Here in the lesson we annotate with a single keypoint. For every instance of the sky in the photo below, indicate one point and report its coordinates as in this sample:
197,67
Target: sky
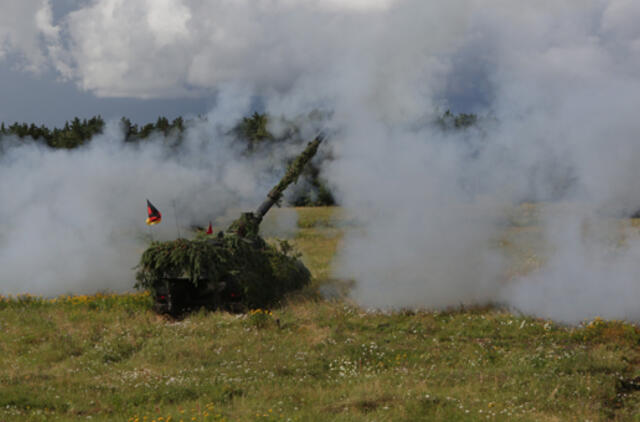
44,99
49,73
42,96
555,83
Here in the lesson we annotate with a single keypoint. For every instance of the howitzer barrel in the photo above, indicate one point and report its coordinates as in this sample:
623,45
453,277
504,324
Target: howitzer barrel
293,172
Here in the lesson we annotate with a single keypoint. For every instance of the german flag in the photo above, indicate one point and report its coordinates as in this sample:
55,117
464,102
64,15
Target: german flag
154,215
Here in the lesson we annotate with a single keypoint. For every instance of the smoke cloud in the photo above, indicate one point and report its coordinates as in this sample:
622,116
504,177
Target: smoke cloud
555,84
73,220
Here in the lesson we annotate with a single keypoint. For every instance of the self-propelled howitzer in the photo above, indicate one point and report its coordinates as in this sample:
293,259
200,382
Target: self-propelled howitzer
233,270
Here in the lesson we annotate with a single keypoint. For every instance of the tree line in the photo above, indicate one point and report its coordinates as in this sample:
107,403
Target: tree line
72,135
251,131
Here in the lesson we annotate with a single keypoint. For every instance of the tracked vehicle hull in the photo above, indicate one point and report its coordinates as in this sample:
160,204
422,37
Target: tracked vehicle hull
235,270
229,273
177,296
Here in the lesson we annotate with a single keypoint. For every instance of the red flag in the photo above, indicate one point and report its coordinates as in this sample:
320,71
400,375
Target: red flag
210,229
154,215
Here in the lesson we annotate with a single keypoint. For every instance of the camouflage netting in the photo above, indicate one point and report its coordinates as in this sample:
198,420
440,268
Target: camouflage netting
234,266
263,273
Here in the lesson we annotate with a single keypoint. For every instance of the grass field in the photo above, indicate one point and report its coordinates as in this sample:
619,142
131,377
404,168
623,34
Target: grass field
108,357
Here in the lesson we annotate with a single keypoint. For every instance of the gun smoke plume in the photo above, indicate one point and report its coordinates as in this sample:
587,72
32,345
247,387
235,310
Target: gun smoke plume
73,220
554,82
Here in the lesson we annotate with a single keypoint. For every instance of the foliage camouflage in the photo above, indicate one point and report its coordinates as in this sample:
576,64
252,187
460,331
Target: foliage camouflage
262,273
233,268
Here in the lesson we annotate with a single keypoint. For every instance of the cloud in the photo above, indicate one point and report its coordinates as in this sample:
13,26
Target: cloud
149,49
26,29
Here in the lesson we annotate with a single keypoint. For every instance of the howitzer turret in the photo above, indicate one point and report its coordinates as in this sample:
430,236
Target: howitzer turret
235,270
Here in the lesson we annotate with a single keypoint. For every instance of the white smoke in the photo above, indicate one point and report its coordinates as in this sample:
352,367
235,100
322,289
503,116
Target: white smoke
555,83
588,274
73,220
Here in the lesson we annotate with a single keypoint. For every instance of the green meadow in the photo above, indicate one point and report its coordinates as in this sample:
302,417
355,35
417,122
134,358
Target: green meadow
108,357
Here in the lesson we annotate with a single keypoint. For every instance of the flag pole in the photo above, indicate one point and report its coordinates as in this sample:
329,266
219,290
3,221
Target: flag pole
176,215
